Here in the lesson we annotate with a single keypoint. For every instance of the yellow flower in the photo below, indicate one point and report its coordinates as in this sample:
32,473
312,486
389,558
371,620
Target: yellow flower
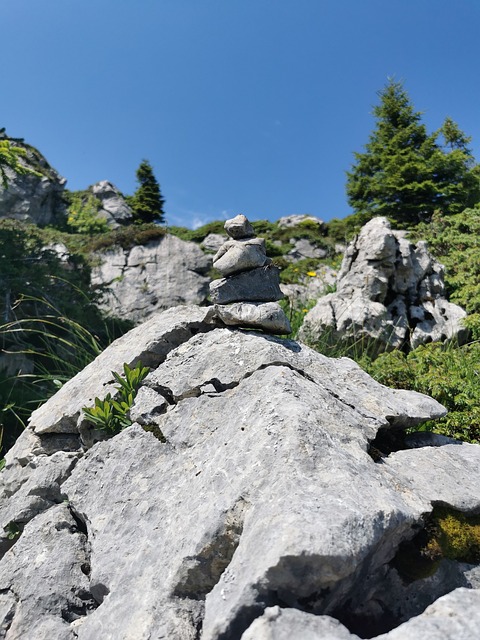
312,274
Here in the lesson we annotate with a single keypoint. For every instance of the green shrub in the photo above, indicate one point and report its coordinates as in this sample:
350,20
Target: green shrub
83,214
448,373
126,237
197,235
111,414
455,241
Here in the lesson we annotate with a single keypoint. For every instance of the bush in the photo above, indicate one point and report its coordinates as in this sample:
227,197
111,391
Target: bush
126,237
448,373
83,214
455,241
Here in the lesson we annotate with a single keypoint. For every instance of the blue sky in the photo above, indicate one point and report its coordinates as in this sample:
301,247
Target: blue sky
241,106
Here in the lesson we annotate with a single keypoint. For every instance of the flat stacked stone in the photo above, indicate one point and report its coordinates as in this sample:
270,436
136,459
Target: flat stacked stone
247,293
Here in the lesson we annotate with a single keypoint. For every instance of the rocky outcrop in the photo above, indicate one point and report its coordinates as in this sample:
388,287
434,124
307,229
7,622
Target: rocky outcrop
36,198
300,218
243,503
138,282
250,282
115,210
213,242
303,248
390,294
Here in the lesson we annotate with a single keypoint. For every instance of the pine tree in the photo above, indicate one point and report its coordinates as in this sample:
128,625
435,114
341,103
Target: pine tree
147,202
405,173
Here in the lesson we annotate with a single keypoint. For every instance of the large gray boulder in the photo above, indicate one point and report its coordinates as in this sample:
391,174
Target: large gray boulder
256,507
390,294
140,281
36,198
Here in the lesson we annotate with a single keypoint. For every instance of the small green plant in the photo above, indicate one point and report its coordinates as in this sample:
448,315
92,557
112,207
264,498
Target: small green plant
12,530
111,414
83,214
449,534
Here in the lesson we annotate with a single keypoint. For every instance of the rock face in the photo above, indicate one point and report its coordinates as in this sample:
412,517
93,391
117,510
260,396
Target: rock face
249,279
257,511
163,273
390,293
303,248
33,198
299,218
115,209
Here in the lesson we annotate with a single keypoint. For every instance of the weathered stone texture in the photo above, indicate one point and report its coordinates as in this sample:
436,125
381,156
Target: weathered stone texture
33,198
258,514
141,281
390,293
115,210
256,285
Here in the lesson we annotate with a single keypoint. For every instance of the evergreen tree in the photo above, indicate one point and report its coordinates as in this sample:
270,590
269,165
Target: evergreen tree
405,173
147,202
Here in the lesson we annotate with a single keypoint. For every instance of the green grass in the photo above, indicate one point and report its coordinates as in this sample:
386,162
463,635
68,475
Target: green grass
58,348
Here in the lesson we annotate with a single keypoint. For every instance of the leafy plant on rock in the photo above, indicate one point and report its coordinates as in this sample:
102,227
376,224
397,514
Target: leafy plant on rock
112,414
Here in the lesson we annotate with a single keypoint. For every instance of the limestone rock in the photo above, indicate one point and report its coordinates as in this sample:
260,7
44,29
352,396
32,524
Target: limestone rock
115,209
213,242
455,616
256,285
296,219
148,344
145,279
33,198
261,514
268,316
390,293
287,624
304,248
235,256
239,227
249,279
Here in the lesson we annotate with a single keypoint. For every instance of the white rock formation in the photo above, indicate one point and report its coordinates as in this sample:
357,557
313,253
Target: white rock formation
115,210
33,198
389,293
141,281
259,513
295,219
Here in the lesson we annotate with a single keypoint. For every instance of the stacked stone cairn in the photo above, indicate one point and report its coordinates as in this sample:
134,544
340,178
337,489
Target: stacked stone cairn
247,294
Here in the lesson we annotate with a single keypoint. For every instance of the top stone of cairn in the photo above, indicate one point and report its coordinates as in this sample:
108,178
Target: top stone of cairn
239,228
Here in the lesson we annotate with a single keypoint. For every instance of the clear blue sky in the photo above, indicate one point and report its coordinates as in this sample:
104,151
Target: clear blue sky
251,106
